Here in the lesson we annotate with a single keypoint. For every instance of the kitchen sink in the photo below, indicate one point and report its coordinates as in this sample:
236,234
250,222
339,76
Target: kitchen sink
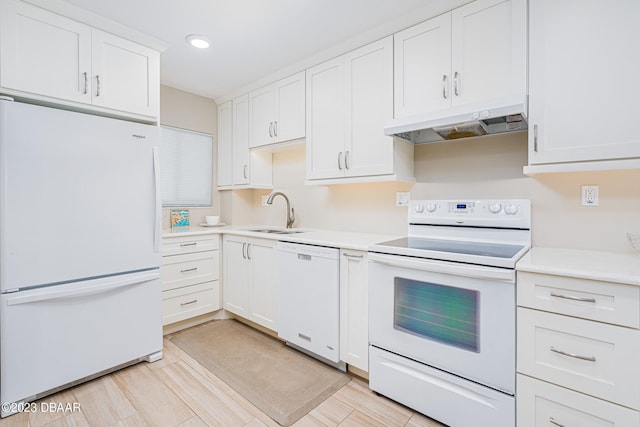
276,230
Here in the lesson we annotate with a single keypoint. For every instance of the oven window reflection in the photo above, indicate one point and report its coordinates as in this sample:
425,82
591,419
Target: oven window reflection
442,313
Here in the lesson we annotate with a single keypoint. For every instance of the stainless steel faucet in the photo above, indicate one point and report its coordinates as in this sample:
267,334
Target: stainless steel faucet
291,217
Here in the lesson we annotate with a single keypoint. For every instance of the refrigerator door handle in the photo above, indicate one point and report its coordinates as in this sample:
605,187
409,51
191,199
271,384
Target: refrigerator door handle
78,292
156,200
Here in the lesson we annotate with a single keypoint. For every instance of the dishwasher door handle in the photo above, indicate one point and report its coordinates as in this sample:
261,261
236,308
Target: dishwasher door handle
304,257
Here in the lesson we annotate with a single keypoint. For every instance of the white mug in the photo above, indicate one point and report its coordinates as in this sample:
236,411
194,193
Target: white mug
212,219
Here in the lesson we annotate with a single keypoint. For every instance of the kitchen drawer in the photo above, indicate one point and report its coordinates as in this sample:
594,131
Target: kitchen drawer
589,299
184,270
188,244
184,303
614,373
541,404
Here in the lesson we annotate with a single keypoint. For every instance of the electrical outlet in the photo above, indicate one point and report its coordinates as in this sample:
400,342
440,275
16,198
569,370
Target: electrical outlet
590,195
402,198
264,200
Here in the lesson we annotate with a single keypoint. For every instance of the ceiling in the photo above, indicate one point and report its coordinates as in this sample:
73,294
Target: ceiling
252,39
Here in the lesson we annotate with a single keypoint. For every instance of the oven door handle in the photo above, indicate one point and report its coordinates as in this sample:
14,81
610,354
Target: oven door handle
445,267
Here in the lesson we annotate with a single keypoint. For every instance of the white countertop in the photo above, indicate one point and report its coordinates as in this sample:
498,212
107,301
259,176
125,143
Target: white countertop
331,238
606,266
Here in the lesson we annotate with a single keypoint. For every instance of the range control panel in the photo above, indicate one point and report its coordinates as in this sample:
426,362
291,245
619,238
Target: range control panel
508,213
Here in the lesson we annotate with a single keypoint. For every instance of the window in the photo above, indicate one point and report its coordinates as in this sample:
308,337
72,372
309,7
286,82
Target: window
186,167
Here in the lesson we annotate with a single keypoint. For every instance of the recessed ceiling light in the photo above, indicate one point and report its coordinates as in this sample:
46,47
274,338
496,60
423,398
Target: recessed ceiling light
198,40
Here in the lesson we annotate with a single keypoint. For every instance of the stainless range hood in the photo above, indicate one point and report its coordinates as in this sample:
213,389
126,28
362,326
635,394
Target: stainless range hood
496,116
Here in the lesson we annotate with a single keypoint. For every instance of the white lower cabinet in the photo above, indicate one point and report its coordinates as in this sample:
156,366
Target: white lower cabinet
250,283
354,310
190,277
577,355
540,403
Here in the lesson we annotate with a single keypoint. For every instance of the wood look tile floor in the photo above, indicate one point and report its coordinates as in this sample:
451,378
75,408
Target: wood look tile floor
178,391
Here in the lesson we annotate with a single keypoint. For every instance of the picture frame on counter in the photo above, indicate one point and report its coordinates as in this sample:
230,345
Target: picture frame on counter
179,218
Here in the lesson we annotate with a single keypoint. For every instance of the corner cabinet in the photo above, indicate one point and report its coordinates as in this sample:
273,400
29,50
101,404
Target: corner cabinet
349,100
583,96
190,276
578,344
276,112
51,58
249,275
475,53
354,309
238,165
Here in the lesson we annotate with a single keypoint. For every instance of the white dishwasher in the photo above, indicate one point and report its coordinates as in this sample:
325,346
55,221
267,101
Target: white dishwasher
309,299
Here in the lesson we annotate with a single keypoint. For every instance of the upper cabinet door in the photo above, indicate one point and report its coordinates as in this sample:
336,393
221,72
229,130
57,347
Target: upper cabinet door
422,67
325,120
489,50
43,53
261,117
241,167
289,119
583,84
125,75
369,106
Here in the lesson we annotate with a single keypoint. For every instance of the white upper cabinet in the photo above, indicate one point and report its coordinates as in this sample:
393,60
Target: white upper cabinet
473,54
349,100
583,85
49,57
238,165
126,75
277,112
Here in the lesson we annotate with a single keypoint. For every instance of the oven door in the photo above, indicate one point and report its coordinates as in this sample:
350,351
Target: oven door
456,317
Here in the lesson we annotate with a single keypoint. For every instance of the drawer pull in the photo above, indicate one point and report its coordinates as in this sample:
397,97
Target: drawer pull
304,337
352,255
186,270
575,356
555,423
572,298
182,245
182,304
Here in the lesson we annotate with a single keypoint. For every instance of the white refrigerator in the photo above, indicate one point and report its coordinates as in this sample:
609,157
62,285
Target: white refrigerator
80,219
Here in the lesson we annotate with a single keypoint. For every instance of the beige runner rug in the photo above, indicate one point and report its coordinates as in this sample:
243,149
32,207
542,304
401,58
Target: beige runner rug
282,382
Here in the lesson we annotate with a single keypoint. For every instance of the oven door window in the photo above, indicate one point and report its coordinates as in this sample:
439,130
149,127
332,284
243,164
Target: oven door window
441,313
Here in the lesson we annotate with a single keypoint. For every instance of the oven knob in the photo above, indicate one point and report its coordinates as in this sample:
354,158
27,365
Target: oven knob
495,208
511,209
419,208
431,207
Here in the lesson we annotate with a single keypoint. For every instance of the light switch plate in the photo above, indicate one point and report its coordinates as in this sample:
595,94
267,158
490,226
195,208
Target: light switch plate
402,198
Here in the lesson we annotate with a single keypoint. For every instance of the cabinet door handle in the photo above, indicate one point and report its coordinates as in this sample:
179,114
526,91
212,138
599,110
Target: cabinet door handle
275,128
535,138
97,85
572,298
555,423
444,86
244,250
182,304
86,83
352,256
182,245
575,356
271,130
456,78
340,160
346,160
244,171
187,270
248,253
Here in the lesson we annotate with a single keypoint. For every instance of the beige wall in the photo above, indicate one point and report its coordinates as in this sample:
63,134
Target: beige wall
489,167
192,112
